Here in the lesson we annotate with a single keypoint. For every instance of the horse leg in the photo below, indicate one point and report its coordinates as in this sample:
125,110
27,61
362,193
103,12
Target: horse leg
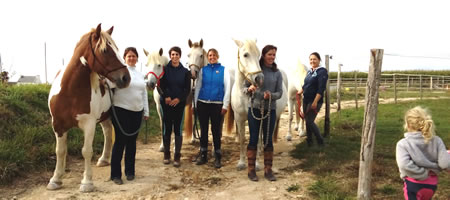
240,130
290,111
160,114
88,127
61,152
107,127
301,124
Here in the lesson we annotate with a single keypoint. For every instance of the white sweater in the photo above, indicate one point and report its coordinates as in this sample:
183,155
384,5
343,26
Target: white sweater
415,158
134,97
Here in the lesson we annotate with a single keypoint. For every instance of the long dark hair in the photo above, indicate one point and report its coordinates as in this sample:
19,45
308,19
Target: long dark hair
266,49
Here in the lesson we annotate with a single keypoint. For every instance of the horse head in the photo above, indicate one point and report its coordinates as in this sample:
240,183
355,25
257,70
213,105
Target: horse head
103,57
197,57
155,64
248,61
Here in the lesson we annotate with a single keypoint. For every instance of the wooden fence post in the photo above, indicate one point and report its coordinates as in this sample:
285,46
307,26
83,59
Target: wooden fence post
369,124
338,88
327,100
395,89
421,92
356,90
431,83
407,84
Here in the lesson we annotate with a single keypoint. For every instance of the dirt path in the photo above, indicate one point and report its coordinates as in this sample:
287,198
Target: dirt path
154,180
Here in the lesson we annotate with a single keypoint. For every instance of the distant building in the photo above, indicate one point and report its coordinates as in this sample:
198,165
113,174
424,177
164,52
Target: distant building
29,80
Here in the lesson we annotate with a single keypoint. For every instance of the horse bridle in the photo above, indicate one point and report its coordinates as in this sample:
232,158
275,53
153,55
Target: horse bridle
246,75
156,76
103,66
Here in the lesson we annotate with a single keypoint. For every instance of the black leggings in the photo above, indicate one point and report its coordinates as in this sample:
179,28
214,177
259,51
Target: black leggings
207,111
130,122
172,120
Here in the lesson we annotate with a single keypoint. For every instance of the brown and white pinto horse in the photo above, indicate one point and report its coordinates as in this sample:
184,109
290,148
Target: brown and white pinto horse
78,98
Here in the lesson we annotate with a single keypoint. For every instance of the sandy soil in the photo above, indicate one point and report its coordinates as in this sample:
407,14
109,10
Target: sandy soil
154,180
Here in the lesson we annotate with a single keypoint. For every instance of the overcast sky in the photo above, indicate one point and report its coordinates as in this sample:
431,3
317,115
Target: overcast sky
345,29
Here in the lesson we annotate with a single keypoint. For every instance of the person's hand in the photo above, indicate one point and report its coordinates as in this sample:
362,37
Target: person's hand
174,102
167,100
314,106
146,118
251,89
224,111
267,94
300,92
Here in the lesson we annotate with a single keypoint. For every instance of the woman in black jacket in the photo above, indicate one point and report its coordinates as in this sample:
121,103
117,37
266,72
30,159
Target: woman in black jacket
175,87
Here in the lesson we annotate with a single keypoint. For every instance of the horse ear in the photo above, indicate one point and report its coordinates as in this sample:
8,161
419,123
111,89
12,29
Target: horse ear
145,52
238,43
160,52
201,43
190,43
98,30
110,30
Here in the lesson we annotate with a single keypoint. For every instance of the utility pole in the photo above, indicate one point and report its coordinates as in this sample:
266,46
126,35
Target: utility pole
45,61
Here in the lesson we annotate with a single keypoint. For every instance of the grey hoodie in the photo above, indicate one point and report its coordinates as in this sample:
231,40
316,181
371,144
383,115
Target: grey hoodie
415,158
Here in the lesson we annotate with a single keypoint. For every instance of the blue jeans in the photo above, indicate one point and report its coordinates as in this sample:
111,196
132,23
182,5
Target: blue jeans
253,125
311,127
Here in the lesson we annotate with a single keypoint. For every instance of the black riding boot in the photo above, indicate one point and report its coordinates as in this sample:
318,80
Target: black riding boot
218,156
177,155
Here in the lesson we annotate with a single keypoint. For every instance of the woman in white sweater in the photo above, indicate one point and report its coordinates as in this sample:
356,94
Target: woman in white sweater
421,155
130,106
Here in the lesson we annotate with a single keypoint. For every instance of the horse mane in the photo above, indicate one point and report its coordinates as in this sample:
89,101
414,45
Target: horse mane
105,39
155,56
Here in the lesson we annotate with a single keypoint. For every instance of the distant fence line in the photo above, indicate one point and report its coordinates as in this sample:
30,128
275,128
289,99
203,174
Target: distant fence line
400,81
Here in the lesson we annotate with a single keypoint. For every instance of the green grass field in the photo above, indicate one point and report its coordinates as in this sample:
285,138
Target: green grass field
336,166
27,141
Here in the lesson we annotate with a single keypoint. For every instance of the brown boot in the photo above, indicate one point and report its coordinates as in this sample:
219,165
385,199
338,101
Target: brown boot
268,158
251,155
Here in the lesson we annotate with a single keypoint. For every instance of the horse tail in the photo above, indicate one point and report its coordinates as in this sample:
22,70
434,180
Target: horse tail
230,120
188,121
275,132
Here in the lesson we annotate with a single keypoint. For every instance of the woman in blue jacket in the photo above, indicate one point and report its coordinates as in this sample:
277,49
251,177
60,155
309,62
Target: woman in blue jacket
212,97
313,88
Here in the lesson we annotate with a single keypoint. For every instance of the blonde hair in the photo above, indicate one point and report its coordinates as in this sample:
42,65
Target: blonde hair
419,119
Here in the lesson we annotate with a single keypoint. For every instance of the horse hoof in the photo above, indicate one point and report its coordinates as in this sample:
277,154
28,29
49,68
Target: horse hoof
288,138
54,185
161,149
102,163
87,187
302,134
241,166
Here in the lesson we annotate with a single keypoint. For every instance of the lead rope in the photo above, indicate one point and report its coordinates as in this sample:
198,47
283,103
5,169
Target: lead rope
195,127
115,116
262,118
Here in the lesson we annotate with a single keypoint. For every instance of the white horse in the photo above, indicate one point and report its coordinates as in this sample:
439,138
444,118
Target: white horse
155,65
296,77
249,68
197,58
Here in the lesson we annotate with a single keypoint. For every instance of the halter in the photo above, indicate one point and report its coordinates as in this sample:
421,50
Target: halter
246,74
95,58
156,76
